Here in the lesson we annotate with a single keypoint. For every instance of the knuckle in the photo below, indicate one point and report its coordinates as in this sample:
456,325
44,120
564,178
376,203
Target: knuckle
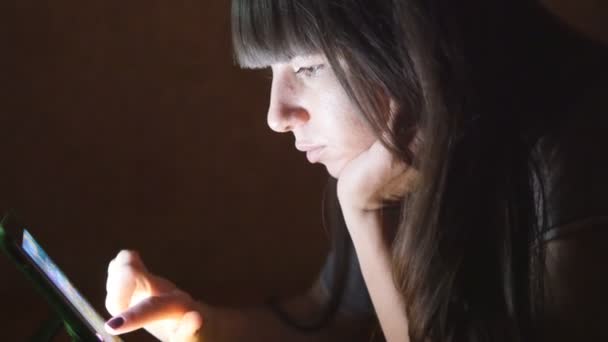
154,302
127,256
173,302
120,277
127,272
181,297
121,280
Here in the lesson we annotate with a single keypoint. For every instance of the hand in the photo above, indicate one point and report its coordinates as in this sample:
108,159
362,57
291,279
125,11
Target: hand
372,179
139,299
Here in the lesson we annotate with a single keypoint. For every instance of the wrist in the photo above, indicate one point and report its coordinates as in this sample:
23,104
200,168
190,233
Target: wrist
362,222
358,213
372,225
211,320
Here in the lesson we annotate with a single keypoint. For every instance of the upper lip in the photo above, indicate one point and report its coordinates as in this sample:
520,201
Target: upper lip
305,147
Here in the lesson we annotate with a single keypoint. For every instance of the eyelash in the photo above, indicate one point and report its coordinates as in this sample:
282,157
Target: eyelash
309,71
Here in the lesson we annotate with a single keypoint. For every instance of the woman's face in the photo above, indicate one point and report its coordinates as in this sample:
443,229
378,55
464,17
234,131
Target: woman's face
307,100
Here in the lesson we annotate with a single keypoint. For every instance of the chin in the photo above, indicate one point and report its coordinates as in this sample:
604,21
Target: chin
334,170
332,174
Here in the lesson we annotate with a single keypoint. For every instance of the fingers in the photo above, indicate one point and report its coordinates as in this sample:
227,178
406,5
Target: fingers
129,282
124,276
137,298
132,258
121,287
174,306
394,177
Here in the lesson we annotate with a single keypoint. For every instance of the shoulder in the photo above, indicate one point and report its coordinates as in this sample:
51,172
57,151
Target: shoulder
573,160
574,169
576,282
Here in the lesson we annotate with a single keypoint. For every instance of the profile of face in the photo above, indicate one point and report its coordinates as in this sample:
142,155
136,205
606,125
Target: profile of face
307,100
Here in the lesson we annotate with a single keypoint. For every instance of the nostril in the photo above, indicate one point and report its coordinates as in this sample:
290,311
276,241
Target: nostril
283,117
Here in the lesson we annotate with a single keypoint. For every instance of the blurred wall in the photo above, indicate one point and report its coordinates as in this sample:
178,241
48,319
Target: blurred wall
127,125
587,16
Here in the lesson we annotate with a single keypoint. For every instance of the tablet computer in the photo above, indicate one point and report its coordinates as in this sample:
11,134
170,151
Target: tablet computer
80,318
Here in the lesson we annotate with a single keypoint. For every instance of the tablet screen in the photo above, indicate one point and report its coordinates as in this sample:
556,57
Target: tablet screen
42,260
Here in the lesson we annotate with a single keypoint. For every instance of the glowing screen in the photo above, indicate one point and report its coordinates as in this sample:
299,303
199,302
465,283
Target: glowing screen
42,260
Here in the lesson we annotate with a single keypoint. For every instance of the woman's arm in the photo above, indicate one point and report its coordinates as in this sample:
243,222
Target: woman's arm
375,259
364,187
139,299
576,284
259,323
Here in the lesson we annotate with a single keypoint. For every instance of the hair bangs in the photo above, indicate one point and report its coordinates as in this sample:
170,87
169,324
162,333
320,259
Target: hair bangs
265,32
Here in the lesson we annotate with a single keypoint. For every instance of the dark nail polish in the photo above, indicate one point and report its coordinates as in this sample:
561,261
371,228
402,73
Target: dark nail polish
116,322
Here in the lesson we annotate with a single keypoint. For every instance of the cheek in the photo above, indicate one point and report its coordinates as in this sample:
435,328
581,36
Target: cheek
351,137
353,141
343,127
345,122
357,135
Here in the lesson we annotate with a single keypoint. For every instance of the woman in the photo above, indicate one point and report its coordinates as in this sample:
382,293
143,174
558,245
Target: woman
448,126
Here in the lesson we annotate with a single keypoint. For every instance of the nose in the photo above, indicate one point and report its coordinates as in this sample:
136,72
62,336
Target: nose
285,112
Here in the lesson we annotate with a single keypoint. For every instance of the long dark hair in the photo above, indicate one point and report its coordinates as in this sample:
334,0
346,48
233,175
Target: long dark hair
474,80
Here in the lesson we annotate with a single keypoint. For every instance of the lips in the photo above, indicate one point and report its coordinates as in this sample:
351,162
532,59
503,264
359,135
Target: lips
313,151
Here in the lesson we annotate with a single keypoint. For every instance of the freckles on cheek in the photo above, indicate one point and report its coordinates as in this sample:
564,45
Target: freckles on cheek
361,138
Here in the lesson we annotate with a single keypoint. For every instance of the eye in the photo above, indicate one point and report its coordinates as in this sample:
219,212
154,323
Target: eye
309,71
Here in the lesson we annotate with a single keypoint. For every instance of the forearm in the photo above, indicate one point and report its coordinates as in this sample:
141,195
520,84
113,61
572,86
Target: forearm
250,324
259,323
374,257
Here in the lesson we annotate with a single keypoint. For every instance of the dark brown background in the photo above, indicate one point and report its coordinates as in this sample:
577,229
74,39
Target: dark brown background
126,125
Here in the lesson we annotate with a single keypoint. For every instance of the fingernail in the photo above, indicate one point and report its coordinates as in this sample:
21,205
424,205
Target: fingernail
116,322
